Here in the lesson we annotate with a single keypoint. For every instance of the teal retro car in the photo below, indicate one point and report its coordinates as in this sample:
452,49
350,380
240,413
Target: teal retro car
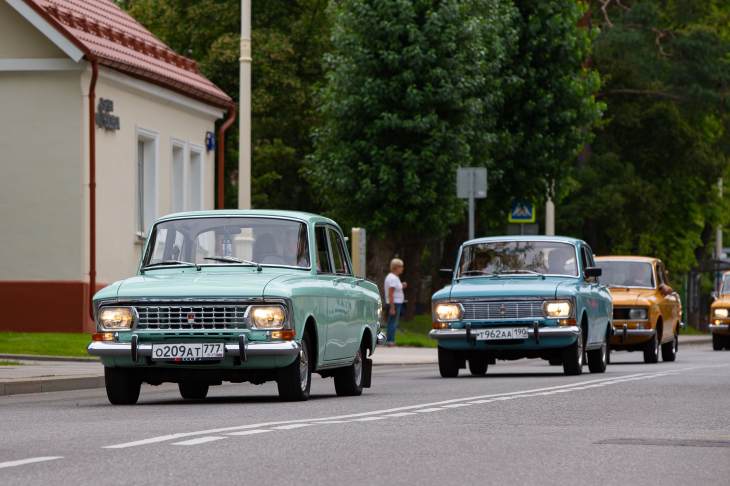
523,297
238,296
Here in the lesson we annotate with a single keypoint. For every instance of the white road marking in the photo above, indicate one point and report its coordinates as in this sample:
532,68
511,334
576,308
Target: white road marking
250,432
199,440
428,410
399,414
333,422
478,399
31,460
456,405
291,426
368,419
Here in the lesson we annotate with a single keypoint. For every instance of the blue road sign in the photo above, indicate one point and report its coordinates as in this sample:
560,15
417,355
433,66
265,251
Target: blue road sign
522,212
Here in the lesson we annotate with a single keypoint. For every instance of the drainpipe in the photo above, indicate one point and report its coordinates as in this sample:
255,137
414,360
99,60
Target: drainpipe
220,139
92,186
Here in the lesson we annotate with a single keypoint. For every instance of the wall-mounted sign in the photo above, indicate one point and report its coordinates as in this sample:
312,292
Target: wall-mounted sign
104,117
209,141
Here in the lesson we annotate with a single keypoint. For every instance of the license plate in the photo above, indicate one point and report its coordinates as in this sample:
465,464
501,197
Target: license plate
188,352
502,333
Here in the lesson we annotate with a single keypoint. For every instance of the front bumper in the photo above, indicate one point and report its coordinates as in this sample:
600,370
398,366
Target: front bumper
243,349
623,334
720,328
466,334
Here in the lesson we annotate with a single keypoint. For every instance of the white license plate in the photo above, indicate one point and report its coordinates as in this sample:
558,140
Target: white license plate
188,352
502,333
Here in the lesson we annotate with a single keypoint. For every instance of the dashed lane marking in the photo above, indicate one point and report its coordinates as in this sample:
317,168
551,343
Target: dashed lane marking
199,440
250,432
31,460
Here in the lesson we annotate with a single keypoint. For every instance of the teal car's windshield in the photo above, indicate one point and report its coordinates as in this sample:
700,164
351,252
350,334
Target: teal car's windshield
228,241
518,257
627,274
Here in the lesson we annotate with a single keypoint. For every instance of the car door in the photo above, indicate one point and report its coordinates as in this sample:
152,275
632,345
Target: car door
326,319
595,301
343,337
668,304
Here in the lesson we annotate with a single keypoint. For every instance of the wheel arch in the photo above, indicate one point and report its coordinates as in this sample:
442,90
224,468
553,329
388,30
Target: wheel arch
310,329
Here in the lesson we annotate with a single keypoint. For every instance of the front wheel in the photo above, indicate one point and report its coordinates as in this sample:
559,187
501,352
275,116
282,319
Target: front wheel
122,386
191,390
295,380
669,350
718,342
573,357
651,350
598,359
348,381
448,363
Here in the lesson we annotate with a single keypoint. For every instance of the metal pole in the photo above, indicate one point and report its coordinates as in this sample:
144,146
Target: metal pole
549,217
471,216
718,235
244,151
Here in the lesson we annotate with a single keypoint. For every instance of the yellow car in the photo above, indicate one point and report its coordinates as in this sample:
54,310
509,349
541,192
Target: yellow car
720,316
646,311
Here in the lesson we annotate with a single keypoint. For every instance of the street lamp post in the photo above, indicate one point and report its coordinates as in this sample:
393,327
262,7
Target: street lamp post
244,150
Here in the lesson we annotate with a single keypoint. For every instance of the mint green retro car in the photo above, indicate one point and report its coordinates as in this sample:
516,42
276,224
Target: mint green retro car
238,296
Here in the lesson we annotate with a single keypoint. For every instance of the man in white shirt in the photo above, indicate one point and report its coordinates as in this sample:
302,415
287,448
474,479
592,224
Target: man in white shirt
394,297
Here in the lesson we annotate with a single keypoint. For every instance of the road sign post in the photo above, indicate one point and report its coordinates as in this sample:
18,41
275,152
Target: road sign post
471,184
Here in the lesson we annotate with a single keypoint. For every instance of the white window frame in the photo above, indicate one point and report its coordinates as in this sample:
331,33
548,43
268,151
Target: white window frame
176,143
199,150
148,136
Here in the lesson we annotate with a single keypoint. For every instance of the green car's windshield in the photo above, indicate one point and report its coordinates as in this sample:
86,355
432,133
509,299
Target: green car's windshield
518,257
229,241
626,274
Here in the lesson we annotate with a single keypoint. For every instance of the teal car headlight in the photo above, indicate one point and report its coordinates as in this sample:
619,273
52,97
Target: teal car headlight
638,313
267,316
116,318
558,309
447,312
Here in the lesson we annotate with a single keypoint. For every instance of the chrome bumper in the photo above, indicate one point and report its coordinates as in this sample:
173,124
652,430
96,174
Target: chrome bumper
624,332
719,327
547,332
244,349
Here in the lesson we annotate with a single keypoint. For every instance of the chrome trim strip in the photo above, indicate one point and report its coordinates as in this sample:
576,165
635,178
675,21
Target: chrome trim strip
546,331
253,348
618,332
719,327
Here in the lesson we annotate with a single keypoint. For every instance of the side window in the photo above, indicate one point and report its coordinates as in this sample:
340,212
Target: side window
168,245
338,252
323,254
583,258
661,277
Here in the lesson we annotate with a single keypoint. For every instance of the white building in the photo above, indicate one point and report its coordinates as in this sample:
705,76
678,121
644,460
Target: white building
91,101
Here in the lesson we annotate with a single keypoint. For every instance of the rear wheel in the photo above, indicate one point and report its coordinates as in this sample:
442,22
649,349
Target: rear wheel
478,365
718,342
295,380
191,390
348,381
448,363
573,357
651,350
122,386
669,350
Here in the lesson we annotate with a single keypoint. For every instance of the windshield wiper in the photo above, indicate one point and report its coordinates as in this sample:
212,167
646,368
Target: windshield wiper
170,263
230,259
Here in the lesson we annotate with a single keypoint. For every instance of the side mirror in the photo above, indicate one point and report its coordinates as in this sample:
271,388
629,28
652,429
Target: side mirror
593,272
713,295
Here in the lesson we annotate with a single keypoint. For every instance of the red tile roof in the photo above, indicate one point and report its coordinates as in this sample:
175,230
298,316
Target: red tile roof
110,35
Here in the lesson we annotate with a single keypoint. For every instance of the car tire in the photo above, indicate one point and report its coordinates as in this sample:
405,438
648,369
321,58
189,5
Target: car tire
295,381
573,357
670,349
478,365
448,363
598,359
651,350
192,390
718,342
122,386
348,381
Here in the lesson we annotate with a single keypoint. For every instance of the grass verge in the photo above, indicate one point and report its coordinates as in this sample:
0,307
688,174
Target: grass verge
10,363
44,343
415,332
691,331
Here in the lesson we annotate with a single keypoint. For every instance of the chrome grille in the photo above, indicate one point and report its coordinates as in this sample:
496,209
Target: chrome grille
492,311
191,316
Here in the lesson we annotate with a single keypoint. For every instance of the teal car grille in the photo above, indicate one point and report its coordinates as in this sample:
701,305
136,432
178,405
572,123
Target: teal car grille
191,316
494,311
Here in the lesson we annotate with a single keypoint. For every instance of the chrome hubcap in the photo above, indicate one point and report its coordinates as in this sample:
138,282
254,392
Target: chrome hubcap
580,350
603,352
303,368
357,366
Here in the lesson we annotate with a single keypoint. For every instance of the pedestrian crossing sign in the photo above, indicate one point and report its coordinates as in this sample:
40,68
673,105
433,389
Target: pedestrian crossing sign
522,212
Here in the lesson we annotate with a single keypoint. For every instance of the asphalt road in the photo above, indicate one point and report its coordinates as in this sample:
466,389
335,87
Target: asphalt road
525,423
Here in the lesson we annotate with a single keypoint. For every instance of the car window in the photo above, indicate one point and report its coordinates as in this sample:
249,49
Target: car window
323,253
168,245
660,276
516,257
338,252
583,258
618,273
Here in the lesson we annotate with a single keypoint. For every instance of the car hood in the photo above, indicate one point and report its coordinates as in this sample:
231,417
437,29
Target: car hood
623,296
190,283
549,287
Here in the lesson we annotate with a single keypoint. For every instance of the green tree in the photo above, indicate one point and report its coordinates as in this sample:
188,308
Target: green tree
409,92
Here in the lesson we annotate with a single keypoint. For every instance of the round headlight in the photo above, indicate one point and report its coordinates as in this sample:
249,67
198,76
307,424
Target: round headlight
639,313
448,312
267,317
721,313
116,318
557,308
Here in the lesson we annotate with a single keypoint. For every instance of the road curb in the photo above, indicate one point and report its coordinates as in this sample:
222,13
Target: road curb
50,385
41,357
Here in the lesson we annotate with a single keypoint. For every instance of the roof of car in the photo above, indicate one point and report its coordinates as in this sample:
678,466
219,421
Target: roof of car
626,258
559,239
217,213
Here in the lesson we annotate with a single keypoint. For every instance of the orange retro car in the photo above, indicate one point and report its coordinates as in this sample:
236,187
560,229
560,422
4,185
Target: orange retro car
646,311
720,316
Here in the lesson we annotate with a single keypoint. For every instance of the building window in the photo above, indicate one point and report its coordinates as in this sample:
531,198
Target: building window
178,177
146,180
195,179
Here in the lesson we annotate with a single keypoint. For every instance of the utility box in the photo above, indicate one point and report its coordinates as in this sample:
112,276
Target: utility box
358,247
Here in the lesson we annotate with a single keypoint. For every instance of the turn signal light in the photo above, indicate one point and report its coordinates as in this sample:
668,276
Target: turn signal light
102,336
440,325
567,322
284,335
